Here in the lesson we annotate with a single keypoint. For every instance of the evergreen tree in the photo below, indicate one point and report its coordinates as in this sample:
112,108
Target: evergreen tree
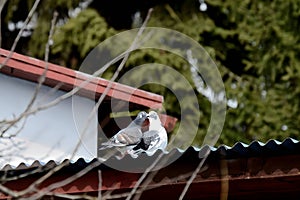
254,43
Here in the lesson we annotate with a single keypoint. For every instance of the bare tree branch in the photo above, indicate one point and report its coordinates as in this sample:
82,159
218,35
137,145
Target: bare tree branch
141,179
41,80
189,182
70,93
73,196
132,47
115,75
148,180
29,16
8,191
2,4
99,184
29,110
48,189
142,188
34,186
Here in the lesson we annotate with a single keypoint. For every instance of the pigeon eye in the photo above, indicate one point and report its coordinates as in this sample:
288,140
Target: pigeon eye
141,115
154,116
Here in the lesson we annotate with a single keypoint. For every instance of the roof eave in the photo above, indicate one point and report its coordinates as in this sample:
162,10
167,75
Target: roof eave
31,69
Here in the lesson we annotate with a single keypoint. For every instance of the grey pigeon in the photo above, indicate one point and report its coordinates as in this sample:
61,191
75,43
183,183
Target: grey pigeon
153,139
129,136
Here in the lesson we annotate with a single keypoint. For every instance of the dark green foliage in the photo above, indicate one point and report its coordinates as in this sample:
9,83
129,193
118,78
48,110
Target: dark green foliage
81,34
255,44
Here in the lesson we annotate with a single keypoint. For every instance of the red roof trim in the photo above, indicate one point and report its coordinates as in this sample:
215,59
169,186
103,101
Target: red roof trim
244,177
29,68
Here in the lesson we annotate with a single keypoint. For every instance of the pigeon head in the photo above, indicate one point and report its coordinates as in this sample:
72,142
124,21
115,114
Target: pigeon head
153,115
154,119
140,118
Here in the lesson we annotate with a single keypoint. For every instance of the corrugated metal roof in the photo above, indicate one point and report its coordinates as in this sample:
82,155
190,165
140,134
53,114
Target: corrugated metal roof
245,171
240,150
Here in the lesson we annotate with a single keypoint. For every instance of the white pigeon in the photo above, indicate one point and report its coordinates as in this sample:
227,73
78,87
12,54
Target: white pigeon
153,139
129,136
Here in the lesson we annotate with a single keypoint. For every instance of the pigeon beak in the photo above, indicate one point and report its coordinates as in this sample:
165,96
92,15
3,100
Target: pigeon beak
145,125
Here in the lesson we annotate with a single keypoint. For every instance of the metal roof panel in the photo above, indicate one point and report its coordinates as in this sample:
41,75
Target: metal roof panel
240,150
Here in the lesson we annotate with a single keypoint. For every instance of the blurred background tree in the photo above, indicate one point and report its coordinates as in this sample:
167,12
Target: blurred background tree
255,45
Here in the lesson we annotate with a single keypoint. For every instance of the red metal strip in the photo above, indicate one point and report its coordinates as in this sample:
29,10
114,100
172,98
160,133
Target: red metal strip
78,75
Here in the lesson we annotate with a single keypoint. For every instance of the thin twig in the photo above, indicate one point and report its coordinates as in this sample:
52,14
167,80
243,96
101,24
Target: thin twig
64,182
23,175
8,191
141,179
150,178
152,175
41,80
29,16
2,4
115,75
189,182
64,96
73,91
73,196
99,184
33,186
142,188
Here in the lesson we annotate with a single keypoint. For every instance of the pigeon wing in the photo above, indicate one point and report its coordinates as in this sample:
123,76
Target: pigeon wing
125,137
148,141
151,138
129,136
